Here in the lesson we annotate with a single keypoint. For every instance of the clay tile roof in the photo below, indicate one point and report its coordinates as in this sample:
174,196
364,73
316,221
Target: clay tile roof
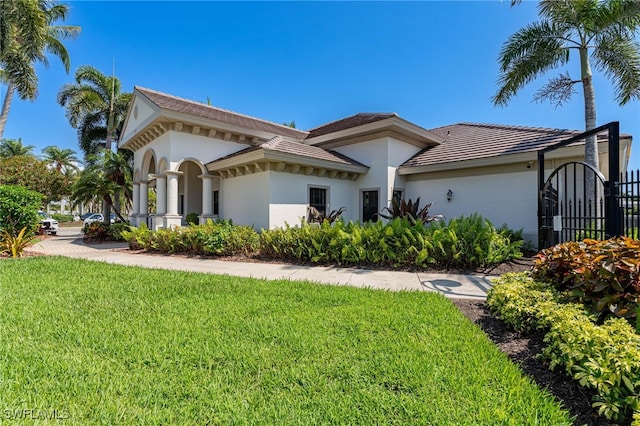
185,106
471,141
278,144
349,122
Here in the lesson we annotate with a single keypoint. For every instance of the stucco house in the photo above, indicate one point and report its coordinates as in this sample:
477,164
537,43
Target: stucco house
221,164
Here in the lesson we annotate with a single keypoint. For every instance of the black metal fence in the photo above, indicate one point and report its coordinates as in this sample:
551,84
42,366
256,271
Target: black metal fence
628,197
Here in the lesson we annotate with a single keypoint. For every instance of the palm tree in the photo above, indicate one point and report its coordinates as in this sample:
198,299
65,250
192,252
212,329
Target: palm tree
61,159
600,32
13,148
27,33
109,177
96,107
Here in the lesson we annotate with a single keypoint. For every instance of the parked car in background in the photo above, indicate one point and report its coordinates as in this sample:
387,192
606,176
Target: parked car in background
48,225
97,217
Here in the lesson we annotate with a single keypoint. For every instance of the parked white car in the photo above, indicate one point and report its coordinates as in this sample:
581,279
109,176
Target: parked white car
97,217
48,225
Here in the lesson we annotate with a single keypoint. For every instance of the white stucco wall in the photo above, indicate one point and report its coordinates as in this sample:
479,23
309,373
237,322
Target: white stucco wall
245,199
383,156
289,197
509,198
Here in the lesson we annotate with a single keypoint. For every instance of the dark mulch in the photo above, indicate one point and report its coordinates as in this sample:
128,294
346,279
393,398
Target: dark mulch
523,350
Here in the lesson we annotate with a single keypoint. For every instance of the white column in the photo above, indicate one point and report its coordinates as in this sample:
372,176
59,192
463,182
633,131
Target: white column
207,197
133,217
172,218
161,194
144,202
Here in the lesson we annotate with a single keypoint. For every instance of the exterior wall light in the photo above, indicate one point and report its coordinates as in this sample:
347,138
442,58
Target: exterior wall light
449,195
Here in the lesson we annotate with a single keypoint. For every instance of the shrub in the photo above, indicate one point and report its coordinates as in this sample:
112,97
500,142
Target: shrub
408,210
465,242
105,232
211,238
603,357
603,275
192,219
19,209
62,217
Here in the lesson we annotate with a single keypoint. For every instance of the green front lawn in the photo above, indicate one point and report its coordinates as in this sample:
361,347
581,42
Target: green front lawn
104,344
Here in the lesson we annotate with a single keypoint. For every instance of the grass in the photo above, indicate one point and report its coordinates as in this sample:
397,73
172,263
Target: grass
104,344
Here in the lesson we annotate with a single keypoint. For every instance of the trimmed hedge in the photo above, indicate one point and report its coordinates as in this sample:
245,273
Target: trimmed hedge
603,357
19,209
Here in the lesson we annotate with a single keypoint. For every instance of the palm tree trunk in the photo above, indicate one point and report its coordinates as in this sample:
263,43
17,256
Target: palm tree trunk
591,144
6,104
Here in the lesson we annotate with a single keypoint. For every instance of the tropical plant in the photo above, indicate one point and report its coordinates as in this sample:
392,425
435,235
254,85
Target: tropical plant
14,245
105,176
602,33
61,159
27,33
317,217
13,148
95,107
409,210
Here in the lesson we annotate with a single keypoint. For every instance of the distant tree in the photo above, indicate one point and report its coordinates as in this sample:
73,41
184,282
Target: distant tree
34,174
291,124
27,34
601,33
96,108
14,148
61,159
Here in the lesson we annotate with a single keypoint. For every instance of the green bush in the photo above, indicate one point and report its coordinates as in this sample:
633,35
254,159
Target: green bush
603,275
464,242
192,219
19,209
105,232
211,238
603,357
62,217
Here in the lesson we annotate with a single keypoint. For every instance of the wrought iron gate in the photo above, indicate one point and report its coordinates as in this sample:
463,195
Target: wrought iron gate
576,201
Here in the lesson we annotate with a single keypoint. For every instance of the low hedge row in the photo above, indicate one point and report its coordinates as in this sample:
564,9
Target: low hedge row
212,238
465,242
604,357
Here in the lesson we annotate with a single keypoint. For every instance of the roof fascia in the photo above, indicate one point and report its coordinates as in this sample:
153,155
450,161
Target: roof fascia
565,152
343,137
270,155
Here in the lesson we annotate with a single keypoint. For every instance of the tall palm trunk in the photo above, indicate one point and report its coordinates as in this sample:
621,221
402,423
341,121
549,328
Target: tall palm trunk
591,145
6,104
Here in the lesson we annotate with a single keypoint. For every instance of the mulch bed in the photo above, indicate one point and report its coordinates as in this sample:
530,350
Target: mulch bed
524,350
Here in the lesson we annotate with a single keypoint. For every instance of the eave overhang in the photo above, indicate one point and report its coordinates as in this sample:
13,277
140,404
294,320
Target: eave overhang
260,160
394,127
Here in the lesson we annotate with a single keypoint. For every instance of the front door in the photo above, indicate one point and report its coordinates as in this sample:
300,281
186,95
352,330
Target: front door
369,205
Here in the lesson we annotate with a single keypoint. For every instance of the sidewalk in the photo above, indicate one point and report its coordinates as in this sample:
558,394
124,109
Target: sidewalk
69,243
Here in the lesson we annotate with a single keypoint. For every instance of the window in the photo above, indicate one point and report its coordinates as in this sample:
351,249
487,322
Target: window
369,206
397,196
216,204
318,199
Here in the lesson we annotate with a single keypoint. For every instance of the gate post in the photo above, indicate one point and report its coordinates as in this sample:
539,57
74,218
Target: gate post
613,223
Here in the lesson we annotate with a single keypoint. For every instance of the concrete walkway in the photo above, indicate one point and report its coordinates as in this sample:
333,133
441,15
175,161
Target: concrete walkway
69,243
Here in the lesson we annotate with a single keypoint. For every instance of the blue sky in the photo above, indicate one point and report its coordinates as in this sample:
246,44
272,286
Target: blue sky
434,63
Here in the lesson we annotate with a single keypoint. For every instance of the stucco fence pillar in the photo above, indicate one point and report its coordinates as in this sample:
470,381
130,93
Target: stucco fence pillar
207,198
